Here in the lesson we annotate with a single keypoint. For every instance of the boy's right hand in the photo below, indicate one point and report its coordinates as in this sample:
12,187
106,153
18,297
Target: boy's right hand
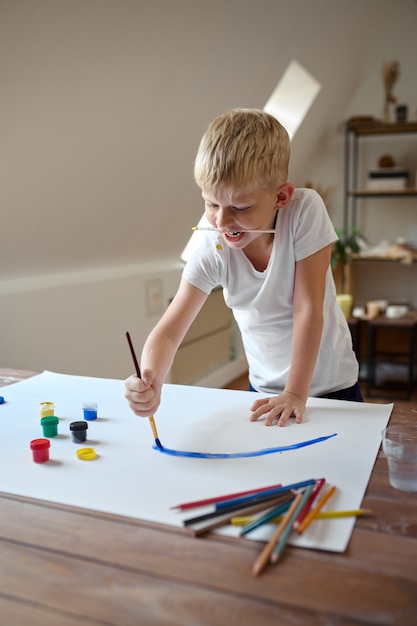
143,395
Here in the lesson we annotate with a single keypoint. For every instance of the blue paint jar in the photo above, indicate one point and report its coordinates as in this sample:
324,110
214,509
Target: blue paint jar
90,411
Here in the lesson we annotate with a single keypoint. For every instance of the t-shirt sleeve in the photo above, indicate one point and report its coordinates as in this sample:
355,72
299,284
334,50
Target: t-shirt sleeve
203,268
313,228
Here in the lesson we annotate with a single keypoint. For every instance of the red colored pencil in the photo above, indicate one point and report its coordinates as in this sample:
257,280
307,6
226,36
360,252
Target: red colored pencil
215,499
309,503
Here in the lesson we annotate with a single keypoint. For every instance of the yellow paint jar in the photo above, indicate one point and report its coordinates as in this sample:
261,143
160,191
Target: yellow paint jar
47,408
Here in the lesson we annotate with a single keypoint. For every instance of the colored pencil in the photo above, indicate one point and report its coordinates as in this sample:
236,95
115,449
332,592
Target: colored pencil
241,521
233,507
265,555
271,492
244,230
335,514
280,545
207,501
266,517
138,374
312,514
205,526
309,502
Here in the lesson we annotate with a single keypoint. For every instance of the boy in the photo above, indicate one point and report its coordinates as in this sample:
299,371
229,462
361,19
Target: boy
279,285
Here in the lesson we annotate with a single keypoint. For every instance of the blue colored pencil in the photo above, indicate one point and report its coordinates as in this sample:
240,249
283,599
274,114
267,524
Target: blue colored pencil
265,494
234,507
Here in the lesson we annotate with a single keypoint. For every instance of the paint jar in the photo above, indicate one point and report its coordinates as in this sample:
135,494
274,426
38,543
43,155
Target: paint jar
78,431
90,411
49,425
47,408
40,450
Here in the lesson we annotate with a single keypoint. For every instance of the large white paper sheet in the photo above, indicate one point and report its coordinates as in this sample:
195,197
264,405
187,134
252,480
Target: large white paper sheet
129,477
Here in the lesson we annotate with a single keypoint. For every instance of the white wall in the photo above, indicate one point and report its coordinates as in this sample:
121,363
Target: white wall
76,323
103,105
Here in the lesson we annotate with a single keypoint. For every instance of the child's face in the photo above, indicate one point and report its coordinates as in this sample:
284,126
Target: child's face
237,211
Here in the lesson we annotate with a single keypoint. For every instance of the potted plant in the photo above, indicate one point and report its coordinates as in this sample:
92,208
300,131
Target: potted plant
348,244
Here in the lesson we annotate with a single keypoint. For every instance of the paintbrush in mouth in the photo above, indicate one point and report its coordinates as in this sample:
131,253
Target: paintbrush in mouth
244,230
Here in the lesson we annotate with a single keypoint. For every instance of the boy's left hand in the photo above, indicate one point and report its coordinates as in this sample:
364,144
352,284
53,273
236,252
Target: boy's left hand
277,410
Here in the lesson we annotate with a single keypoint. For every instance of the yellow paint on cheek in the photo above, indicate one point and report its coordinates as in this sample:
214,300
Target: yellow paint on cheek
219,246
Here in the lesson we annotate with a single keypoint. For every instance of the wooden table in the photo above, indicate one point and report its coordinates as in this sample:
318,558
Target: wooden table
63,566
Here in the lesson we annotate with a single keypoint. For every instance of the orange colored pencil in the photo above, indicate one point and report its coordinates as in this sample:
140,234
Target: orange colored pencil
263,558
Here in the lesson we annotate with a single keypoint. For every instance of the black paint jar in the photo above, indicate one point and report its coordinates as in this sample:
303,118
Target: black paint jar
78,431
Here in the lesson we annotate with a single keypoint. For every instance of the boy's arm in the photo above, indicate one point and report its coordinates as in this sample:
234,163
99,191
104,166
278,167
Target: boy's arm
309,286
160,348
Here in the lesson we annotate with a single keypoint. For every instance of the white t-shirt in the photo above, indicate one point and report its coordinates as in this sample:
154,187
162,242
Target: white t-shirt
262,301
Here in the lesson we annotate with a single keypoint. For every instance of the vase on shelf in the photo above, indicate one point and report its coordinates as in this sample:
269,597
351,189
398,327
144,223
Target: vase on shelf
390,74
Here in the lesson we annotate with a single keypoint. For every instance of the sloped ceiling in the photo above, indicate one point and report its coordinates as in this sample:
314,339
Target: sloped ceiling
104,103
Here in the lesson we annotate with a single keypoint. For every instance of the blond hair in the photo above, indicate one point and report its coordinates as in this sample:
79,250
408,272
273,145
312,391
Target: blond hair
245,148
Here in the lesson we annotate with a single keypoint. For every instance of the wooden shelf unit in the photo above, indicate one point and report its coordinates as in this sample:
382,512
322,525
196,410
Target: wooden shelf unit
354,131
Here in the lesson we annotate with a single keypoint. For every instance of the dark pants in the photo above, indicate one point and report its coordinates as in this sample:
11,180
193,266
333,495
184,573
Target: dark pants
353,394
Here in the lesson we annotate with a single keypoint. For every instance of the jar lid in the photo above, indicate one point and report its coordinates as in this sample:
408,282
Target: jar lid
90,406
40,444
78,426
49,420
86,454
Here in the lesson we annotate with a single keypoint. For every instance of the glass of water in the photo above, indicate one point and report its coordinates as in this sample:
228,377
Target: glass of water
399,444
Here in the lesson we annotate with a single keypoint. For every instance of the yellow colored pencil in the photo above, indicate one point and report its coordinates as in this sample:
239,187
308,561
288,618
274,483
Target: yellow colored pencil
241,521
313,513
335,514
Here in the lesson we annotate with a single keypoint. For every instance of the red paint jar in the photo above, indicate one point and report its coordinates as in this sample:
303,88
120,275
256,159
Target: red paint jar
40,450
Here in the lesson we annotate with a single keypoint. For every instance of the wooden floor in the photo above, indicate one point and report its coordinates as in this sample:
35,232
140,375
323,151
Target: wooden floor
242,384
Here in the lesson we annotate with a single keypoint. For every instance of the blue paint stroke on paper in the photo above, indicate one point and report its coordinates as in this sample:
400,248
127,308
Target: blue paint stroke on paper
240,455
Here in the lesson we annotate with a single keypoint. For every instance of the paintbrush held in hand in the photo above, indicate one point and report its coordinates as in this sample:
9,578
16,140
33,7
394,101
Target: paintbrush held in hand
138,374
